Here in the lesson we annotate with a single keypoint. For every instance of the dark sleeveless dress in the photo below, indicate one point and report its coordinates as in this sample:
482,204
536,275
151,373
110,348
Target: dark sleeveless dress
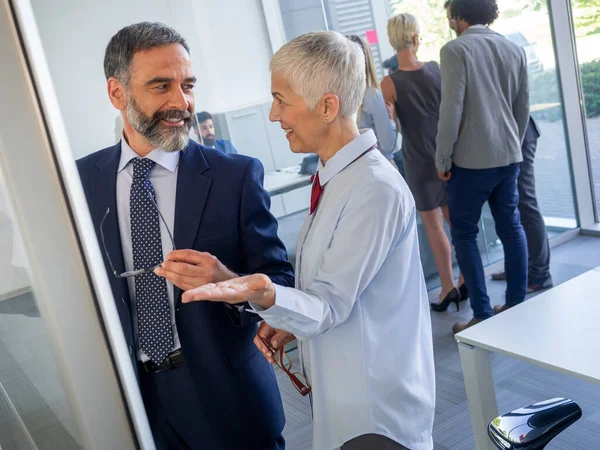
418,96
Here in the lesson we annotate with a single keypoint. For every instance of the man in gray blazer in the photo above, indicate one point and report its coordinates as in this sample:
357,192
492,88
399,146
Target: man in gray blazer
483,120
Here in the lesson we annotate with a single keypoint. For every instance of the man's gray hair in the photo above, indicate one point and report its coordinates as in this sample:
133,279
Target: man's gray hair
323,62
136,38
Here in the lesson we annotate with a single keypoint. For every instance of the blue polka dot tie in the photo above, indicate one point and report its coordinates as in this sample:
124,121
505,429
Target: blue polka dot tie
152,301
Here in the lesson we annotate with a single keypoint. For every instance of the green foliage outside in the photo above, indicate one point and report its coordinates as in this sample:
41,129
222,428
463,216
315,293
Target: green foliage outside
544,89
590,78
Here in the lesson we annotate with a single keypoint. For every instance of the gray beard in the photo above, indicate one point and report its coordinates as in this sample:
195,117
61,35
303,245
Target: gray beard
168,139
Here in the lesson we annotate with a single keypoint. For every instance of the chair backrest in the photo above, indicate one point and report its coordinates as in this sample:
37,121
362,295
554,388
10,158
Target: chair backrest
532,427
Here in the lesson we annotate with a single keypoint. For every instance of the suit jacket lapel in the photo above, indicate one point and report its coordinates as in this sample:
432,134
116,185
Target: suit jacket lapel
192,192
105,196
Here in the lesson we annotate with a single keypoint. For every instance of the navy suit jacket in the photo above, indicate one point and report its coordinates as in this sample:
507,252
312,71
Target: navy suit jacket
220,208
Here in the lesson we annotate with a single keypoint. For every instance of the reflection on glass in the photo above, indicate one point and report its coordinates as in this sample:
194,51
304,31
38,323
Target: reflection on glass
34,412
586,14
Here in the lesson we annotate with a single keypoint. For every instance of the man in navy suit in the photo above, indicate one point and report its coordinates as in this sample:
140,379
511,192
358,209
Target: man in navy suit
204,383
207,130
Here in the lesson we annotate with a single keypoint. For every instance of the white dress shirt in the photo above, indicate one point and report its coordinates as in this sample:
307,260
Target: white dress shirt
163,177
360,308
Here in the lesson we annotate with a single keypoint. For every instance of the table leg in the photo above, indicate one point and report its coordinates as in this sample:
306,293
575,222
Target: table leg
481,397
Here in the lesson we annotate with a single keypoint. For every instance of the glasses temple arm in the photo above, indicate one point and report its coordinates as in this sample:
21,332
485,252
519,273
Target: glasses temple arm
104,242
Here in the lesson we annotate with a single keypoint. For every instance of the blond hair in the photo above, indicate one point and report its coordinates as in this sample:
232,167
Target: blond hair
322,62
370,70
401,29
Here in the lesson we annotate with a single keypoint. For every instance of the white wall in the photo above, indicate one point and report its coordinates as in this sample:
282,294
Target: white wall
237,52
229,46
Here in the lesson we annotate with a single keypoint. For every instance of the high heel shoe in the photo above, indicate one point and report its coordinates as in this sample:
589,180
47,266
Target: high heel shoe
463,291
452,297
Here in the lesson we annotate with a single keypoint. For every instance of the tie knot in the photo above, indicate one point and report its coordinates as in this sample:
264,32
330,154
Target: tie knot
142,167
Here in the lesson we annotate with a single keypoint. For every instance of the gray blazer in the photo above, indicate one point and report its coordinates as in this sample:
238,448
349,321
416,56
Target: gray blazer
485,101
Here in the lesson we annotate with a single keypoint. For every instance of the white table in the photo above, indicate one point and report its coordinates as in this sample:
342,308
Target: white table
285,180
557,330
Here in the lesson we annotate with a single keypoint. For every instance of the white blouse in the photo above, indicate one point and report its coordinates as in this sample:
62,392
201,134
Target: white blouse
360,308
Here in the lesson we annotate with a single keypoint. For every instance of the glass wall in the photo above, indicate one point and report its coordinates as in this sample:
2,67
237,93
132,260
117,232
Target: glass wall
34,412
586,17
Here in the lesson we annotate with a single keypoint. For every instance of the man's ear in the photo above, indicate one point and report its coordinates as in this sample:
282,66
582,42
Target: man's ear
331,106
117,93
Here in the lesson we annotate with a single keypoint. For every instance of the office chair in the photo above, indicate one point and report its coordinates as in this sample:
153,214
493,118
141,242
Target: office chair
532,427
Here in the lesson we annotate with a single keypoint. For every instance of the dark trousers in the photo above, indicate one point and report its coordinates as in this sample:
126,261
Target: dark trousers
371,442
176,418
535,229
468,190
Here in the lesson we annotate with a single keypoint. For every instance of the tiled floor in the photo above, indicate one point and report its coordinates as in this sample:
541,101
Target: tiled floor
30,379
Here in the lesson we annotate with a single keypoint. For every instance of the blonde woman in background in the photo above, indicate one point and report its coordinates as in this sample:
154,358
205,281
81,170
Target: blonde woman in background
373,112
415,92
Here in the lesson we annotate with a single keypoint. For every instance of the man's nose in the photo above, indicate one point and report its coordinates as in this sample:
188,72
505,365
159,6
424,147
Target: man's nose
179,100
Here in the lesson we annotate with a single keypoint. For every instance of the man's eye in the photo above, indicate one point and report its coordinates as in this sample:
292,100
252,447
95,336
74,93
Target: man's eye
188,87
162,87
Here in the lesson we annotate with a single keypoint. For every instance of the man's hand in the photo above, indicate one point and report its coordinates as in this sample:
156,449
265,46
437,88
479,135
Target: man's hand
257,288
273,337
188,269
444,176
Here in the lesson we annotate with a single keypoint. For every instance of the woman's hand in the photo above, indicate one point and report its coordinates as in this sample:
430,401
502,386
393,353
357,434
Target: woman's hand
273,338
257,289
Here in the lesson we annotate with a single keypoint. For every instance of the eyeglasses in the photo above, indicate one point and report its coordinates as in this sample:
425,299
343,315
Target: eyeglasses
133,273
284,362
